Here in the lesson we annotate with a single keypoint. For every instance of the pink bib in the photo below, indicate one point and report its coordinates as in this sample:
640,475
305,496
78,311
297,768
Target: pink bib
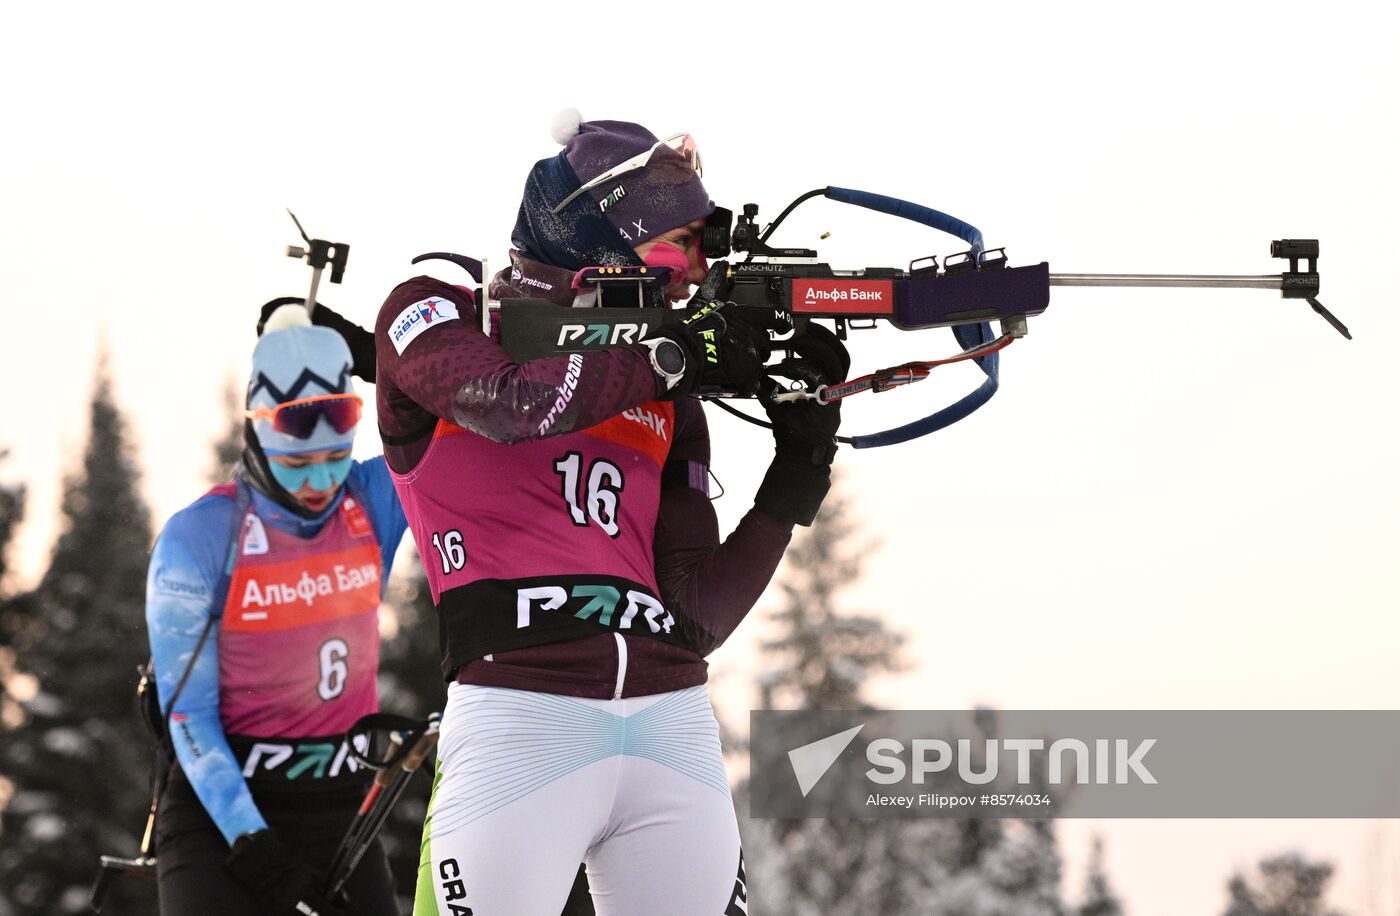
299,644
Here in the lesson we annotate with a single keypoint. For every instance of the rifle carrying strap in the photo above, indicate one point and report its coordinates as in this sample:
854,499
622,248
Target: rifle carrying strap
969,336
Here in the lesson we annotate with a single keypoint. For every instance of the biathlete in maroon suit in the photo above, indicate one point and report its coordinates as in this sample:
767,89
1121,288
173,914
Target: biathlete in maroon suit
561,507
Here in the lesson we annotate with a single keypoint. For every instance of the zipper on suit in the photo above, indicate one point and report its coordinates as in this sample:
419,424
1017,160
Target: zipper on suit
621,665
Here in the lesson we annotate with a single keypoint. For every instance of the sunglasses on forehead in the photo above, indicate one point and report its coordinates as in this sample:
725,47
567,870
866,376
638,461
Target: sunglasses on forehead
298,418
684,144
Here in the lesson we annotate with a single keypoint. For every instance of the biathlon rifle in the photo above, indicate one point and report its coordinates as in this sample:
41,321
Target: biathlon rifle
319,254
782,290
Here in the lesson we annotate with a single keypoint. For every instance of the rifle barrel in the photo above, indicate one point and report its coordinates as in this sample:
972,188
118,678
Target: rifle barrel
1225,281
311,297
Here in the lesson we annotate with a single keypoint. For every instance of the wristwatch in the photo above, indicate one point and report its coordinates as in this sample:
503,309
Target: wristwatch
667,360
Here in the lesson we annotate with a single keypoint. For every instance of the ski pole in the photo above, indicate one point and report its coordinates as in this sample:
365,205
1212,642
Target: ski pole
389,785
399,730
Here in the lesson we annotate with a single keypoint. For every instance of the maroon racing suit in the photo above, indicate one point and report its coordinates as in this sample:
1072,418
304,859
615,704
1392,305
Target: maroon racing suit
512,479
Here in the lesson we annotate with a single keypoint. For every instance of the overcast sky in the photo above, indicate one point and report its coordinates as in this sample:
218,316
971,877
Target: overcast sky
1178,499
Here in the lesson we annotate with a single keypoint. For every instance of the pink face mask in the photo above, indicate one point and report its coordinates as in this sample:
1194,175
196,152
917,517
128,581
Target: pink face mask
664,254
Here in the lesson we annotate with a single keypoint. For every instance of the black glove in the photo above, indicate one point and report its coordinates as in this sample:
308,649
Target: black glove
722,351
804,432
282,885
360,341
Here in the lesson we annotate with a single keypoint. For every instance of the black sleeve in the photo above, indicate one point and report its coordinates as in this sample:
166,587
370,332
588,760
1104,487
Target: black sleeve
712,583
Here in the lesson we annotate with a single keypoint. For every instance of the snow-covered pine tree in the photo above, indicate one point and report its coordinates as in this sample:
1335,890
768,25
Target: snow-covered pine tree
1099,898
821,657
80,762
228,448
1282,885
11,512
15,614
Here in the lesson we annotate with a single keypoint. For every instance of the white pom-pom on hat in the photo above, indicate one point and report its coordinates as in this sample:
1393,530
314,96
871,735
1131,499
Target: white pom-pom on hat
287,316
564,127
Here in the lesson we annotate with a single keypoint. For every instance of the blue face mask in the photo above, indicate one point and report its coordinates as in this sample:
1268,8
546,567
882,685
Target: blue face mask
323,475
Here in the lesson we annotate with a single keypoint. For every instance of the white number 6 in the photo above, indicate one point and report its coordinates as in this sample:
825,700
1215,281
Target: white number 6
334,670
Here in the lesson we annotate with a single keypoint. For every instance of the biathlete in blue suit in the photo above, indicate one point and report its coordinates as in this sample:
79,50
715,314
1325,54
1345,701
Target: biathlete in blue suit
262,606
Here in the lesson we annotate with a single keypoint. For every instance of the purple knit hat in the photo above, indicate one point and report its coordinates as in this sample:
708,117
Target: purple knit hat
641,203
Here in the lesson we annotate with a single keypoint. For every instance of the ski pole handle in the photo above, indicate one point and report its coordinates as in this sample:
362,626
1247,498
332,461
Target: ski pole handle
375,809
416,754
423,746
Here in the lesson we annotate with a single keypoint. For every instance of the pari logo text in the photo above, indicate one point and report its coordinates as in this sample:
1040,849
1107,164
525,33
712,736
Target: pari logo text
315,760
613,197
603,603
860,297
601,335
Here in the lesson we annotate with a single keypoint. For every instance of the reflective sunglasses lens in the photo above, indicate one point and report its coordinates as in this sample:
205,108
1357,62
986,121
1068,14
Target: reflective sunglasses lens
685,145
296,420
299,420
342,414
